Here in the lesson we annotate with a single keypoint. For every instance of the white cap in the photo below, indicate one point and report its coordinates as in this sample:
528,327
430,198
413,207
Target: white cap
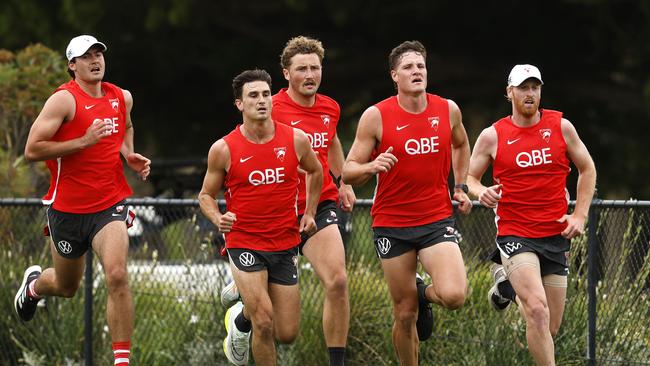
521,73
80,44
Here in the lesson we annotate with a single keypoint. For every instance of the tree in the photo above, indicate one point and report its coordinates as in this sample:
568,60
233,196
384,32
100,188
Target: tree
27,78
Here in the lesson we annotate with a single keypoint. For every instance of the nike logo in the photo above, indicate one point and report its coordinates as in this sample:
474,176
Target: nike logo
329,221
399,128
243,160
115,214
293,123
449,236
89,106
294,276
510,142
236,355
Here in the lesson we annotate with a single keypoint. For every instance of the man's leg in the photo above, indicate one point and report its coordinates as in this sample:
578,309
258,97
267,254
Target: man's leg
111,243
555,288
253,288
444,263
286,311
63,279
399,273
325,252
526,279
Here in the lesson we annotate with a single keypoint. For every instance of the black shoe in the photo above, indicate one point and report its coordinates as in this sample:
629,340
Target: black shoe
24,305
424,323
498,302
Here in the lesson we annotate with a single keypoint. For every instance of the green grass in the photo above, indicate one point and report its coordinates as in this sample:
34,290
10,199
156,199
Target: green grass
181,322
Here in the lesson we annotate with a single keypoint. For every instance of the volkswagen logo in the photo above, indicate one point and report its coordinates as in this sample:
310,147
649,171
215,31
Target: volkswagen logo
64,247
383,245
247,259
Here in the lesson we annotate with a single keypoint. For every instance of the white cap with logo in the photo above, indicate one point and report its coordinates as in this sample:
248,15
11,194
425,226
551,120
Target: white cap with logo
521,73
80,44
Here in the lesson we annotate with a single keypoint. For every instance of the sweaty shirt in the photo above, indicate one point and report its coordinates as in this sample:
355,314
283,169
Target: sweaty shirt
532,164
92,179
415,190
261,190
319,123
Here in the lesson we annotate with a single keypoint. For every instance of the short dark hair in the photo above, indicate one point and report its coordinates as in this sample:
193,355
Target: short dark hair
247,77
301,45
407,46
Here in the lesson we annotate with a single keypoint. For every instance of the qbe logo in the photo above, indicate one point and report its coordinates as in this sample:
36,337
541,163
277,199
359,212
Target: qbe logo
424,145
534,158
247,259
111,121
318,140
266,176
64,247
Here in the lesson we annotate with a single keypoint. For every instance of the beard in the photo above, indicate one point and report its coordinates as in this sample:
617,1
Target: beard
527,110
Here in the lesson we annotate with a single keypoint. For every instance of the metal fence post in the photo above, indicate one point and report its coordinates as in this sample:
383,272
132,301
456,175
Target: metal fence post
88,310
592,280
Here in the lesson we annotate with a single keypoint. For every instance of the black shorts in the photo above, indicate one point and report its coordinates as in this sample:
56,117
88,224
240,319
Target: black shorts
325,216
391,242
282,266
550,250
73,234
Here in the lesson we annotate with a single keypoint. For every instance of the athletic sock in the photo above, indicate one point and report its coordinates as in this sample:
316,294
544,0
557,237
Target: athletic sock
422,296
337,356
506,290
243,324
31,291
121,352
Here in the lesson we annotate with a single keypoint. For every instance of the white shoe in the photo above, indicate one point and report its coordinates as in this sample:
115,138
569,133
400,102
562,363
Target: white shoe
230,295
498,302
236,345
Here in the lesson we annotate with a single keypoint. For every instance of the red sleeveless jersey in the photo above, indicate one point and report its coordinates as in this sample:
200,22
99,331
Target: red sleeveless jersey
415,191
261,190
92,179
319,123
532,164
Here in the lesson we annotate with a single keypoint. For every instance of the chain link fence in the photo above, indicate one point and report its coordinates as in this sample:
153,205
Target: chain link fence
176,274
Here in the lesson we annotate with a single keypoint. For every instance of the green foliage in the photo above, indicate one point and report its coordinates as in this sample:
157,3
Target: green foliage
26,80
179,319
600,82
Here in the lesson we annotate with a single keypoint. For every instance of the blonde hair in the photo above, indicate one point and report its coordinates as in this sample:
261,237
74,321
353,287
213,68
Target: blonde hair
301,45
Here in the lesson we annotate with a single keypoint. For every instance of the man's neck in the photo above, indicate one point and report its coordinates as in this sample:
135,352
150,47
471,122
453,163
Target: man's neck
525,121
300,99
94,88
412,102
258,131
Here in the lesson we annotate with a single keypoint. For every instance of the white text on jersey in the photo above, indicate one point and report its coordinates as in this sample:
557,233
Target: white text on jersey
425,145
267,176
535,157
318,140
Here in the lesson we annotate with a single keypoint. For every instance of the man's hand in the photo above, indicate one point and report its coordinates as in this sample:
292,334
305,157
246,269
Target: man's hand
97,131
347,197
139,164
490,196
575,226
308,225
384,162
464,203
226,221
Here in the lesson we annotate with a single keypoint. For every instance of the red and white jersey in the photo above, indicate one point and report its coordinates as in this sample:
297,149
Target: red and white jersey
261,190
532,164
92,179
319,123
415,190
